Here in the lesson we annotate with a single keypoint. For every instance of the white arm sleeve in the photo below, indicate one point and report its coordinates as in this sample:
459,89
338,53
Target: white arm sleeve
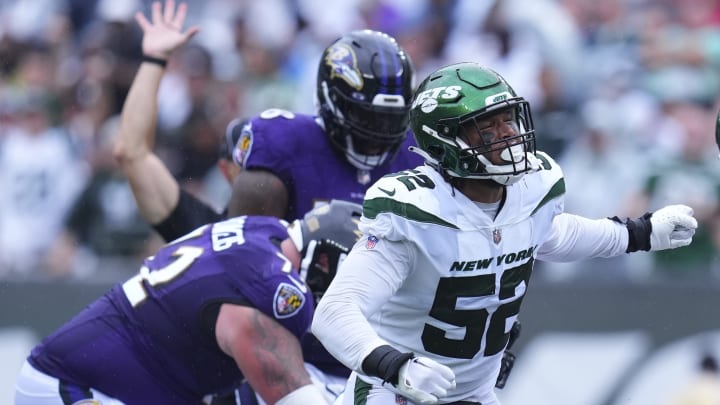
575,238
366,279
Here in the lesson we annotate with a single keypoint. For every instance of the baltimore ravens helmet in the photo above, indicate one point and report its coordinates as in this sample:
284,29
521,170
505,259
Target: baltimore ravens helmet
364,87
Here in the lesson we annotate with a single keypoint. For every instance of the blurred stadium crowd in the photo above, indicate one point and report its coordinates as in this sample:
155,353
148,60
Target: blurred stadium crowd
624,95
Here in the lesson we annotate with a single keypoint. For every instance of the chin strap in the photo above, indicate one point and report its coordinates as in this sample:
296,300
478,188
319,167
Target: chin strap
533,162
428,159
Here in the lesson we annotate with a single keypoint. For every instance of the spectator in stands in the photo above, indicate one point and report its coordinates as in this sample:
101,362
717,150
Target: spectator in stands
104,222
691,175
41,175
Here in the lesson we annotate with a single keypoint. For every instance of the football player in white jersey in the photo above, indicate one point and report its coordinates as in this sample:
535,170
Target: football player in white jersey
422,307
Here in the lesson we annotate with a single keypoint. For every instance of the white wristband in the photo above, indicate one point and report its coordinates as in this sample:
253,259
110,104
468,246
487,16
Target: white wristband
307,394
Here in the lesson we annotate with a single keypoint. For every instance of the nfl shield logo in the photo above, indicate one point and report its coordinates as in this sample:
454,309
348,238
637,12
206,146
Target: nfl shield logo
497,236
371,242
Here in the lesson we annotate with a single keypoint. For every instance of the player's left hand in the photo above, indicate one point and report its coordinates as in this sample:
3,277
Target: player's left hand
673,226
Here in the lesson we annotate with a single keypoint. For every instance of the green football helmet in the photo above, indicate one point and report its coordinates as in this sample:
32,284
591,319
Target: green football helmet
456,96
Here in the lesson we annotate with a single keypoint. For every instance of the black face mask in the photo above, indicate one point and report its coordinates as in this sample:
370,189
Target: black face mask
321,259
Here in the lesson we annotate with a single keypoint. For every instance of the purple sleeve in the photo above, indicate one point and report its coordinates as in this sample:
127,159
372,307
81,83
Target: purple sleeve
270,144
279,295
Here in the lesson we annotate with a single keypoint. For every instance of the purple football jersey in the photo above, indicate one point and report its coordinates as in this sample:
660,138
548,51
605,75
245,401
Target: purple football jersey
296,149
151,339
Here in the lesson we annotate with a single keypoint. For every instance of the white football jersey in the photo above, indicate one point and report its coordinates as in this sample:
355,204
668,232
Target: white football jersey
435,275
467,273
40,178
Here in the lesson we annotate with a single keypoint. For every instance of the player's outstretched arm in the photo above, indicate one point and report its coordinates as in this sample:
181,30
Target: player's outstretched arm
268,355
156,190
670,227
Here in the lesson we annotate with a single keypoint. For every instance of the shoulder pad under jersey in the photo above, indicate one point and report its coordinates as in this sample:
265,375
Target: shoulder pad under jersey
544,185
416,196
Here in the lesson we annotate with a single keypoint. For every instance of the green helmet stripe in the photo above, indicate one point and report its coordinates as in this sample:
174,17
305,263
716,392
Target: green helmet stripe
373,207
556,190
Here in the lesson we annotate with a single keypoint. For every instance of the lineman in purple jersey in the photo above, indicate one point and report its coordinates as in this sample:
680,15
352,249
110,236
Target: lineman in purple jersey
295,148
287,163
223,304
292,162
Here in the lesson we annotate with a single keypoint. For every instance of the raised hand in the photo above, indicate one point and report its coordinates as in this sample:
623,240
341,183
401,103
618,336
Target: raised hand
164,34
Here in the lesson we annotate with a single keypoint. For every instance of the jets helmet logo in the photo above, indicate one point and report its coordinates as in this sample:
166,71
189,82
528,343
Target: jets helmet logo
428,99
288,301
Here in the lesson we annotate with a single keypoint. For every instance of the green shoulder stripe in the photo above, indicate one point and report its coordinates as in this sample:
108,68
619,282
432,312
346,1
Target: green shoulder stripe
556,190
375,206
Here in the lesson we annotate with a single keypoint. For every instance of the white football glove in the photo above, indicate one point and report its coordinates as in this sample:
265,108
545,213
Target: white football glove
425,381
673,226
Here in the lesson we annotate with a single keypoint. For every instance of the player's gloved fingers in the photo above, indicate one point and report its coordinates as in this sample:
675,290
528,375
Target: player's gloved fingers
681,237
424,380
429,376
682,233
680,216
684,209
672,226
442,370
676,243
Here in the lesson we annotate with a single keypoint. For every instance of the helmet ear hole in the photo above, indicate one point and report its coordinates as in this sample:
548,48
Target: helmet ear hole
437,152
444,130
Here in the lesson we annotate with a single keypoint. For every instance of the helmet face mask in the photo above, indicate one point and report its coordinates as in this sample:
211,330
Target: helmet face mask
451,118
364,88
503,156
324,237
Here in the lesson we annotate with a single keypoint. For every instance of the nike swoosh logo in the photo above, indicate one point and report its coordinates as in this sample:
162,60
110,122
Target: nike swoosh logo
390,193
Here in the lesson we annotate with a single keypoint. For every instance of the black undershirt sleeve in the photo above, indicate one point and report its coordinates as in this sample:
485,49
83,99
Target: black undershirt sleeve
189,214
